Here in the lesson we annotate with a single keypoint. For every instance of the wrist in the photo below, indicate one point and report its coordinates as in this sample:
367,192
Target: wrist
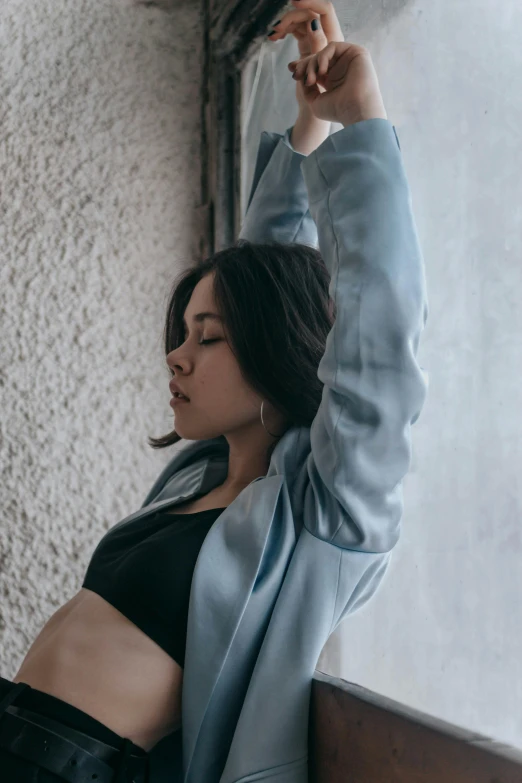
309,132
360,114
307,117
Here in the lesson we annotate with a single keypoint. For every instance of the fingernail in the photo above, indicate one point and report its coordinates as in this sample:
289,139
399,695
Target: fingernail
315,25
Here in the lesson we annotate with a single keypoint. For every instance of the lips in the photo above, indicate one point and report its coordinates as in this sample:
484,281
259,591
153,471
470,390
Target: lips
175,401
173,386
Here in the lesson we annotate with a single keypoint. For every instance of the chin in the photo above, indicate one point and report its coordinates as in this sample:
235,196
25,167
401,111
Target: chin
195,433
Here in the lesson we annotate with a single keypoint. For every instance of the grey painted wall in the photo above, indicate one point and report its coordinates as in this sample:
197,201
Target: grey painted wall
444,633
100,174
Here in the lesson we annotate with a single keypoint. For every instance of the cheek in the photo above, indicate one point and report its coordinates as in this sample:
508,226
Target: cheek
222,375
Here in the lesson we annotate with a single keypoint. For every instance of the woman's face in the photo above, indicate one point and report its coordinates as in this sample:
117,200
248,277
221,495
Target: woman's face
220,401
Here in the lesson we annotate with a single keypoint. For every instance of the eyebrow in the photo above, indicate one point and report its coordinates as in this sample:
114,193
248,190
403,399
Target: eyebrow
202,316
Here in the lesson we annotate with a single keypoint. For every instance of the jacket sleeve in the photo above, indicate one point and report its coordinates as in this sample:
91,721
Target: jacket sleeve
278,204
374,389
350,198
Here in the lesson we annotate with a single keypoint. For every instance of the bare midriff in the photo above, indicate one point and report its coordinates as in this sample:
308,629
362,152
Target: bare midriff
90,655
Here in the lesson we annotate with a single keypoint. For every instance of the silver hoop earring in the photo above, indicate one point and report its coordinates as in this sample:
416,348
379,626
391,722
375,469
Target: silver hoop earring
263,423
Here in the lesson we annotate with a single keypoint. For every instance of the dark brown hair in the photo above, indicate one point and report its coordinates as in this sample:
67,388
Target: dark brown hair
274,299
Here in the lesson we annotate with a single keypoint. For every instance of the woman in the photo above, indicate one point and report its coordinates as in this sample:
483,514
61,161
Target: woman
291,489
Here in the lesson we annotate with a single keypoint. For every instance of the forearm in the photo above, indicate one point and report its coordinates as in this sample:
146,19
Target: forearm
309,133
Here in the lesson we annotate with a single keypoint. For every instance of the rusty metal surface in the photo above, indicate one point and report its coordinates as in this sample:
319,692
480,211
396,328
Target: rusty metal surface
357,736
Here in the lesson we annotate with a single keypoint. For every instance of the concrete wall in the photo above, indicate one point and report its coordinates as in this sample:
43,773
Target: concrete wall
444,633
99,178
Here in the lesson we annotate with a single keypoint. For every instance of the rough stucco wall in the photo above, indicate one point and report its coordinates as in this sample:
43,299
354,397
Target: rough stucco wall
100,173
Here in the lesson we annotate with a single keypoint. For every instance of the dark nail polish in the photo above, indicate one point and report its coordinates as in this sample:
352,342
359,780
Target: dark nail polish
315,25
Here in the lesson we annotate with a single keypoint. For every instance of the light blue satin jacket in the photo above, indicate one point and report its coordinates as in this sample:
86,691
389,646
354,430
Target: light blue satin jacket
305,545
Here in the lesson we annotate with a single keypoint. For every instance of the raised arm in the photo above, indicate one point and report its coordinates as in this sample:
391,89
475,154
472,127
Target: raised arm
374,389
278,207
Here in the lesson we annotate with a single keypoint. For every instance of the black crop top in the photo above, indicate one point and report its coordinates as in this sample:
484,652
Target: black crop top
144,569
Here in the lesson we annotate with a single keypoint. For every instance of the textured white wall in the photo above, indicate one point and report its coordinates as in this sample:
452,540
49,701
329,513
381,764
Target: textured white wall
100,174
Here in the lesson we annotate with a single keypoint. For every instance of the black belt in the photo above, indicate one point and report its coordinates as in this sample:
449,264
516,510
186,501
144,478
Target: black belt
71,754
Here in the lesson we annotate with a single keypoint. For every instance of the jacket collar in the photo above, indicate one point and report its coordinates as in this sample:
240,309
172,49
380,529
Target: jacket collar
203,465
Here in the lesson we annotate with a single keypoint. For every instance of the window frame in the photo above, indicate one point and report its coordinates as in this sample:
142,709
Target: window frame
233,32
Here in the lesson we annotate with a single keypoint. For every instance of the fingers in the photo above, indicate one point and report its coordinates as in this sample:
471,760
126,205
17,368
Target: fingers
321,6
306,10
329,21
304,70
290,24
316,65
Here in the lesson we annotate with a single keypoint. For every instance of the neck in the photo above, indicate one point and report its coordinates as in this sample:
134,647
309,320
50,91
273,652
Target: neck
248,456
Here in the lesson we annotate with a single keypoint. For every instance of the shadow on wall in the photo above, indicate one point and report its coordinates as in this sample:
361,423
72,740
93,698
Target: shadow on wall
161,5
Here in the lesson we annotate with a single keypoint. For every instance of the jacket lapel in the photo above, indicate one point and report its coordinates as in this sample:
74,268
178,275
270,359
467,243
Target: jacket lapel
226,576
195,463
235,585
194,471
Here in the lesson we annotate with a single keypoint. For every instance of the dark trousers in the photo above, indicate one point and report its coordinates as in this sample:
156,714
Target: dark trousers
36,727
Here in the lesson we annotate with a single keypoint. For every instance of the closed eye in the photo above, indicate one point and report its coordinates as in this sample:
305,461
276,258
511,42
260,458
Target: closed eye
203,342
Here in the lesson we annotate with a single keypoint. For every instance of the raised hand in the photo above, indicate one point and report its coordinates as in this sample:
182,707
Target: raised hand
351,88
298,23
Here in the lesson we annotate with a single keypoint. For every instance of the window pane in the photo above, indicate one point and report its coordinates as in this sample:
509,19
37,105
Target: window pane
444,631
